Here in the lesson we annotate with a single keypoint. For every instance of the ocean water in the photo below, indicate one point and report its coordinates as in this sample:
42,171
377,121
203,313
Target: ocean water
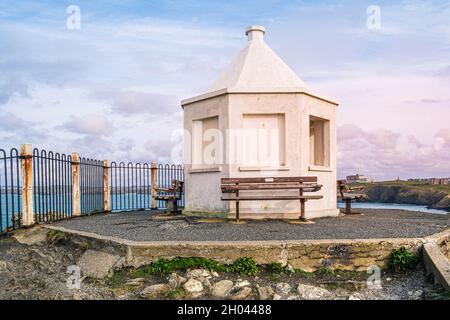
387,206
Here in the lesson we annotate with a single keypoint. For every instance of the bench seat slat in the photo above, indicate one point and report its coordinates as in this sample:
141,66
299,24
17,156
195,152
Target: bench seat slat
255,198
268,180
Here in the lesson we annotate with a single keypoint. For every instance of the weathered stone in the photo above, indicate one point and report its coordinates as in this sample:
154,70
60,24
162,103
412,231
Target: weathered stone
293,297
135,282
289,268
3,265
155,290
276,296
283,288
352,297
222,288
311,292
242,283
193,286
242,293
175,280
97,264
198,273
265,293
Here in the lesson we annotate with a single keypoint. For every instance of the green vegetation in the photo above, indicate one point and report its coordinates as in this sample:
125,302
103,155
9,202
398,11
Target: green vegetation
245,266
275,268
166,267
324,271
55,236
178,293
302,273
117,280
402,259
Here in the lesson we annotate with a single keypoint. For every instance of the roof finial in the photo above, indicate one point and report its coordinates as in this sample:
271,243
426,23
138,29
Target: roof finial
255,32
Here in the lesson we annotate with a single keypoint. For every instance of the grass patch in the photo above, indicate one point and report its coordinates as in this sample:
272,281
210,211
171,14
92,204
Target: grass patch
275,268
245,266
324,271
118,279
402,259
302,273
164,267
175,294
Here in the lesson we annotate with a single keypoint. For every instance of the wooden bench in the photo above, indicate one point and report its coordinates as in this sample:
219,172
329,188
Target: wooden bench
170,195
348,197
237,187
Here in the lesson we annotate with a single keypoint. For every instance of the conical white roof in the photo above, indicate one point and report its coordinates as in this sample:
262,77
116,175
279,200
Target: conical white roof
257,66
257,69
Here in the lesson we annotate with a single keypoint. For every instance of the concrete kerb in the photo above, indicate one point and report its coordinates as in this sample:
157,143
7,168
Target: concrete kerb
308,255
435,260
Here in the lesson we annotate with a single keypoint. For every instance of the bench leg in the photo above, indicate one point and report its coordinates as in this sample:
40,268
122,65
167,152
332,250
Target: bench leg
348,206
302,209
237,211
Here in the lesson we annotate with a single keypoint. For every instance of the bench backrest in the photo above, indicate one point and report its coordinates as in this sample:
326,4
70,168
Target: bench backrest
342,185
260,180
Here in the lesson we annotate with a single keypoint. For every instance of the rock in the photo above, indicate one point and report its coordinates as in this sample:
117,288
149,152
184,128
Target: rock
193,286
241,284
265,293
135,282
276,296
175,280
293,297
222,288
198,273
352,297
242,293
214,274
3,265
155,290
388,279
283,288
97,264
311,292
289,268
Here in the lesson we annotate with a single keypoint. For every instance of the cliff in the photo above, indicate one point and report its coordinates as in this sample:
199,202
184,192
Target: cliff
403,192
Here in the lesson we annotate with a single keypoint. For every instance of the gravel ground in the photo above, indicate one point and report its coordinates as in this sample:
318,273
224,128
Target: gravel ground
38,272
142,226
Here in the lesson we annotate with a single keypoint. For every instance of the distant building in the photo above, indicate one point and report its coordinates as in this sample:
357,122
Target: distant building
432,180
439,181
358,178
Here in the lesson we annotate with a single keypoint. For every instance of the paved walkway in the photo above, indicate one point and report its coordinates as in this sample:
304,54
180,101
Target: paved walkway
142,226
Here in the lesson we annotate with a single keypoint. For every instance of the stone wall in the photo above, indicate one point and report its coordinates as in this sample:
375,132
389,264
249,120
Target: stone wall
302,254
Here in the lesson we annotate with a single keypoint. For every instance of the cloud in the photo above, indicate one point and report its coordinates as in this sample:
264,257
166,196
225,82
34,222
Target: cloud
384,154
127,102
9,87
88,124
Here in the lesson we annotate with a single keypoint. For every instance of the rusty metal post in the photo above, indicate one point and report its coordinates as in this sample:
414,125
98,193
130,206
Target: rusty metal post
76,208
154,182
106,193
26,165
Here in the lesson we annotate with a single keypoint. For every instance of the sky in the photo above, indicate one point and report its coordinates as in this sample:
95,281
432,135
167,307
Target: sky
112,88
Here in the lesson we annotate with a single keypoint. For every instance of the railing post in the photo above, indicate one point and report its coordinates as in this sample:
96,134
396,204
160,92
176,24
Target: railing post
106,193
26,165
76,208
154,182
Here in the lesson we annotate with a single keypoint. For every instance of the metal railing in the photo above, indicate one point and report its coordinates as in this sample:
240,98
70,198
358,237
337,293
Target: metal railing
91,186
10,190
39,186
52,186
130,186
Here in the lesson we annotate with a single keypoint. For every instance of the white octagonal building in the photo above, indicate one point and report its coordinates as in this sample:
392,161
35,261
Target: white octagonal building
258,119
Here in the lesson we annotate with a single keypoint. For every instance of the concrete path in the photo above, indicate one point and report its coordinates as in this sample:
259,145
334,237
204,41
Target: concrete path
141,226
